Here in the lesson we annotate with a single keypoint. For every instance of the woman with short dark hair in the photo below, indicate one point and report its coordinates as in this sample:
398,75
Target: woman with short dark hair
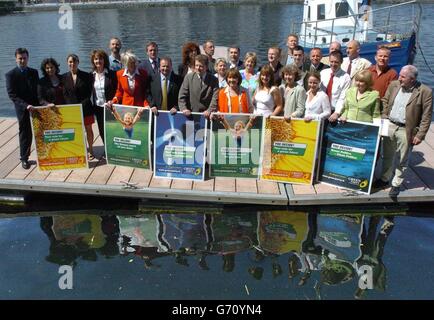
50,89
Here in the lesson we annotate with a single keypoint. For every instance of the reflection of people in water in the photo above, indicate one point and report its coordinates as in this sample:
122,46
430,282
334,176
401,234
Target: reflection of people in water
128,121
239,128
372,248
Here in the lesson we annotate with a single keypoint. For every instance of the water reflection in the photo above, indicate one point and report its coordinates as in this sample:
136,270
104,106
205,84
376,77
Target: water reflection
307,248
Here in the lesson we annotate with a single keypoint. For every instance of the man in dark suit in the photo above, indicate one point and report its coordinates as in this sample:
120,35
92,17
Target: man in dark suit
164,88
152,63
21,85
234,58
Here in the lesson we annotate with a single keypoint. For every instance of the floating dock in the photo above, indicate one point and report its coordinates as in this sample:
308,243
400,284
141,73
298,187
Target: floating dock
115,181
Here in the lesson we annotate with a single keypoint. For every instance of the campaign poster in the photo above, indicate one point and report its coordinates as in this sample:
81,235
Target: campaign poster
179,146
280,232
348,155
127,136
235,145
59,137
141,231
289,150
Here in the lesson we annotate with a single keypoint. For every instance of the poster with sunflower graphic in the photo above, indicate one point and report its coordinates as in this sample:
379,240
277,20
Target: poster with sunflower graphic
128,136
289,151
59,137
348,155
179,145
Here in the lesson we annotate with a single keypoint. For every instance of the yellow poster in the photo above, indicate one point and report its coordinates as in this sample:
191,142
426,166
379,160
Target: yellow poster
289,150
59,137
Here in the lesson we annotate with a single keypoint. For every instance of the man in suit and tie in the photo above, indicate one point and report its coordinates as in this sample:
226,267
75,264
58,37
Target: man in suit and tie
164,88
234,58
199,90
408,106
209,48
152,63
353,63
21,85
315,57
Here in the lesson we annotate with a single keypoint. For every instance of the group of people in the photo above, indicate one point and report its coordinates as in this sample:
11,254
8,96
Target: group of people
290,84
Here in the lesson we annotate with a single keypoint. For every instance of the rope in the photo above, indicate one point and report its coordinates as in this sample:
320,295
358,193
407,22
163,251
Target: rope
424,59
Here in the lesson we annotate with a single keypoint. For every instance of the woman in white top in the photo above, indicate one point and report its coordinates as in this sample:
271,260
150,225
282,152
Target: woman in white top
267,98
317,102
221,69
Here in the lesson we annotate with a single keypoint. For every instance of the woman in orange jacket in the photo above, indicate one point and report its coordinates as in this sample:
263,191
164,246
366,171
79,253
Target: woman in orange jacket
233,98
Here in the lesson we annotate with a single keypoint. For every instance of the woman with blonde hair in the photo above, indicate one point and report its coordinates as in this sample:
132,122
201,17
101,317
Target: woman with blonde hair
267,98
249,74
132,88
361,102
294,95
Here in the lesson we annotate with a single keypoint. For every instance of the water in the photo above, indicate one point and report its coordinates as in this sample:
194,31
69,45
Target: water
215,253
209,253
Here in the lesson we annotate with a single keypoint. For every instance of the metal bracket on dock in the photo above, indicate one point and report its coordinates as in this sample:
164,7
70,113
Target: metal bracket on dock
349,193
129,185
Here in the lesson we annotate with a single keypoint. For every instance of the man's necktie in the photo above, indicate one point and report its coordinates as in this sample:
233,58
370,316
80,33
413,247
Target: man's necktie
164,95
330,86
349,68
154,65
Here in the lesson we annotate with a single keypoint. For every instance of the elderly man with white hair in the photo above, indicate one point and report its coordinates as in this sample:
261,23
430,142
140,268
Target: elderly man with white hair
353,63
408,106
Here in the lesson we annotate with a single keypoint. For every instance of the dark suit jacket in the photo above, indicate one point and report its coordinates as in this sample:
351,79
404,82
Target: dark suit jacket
110,85
418,112
80,92
22,87
47,93
146,65
155,96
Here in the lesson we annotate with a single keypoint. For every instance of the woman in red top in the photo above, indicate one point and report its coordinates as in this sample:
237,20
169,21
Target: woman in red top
233,98
132,83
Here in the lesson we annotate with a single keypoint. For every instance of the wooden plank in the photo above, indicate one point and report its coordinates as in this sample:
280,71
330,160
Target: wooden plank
223,184
9,163
19,173
100,174
58,175
268,187
322,188
141,178
160,183
207,185
182,184
412,181
425,152
120,174
6,124
246,185
10,135
300,189
80,175
425,172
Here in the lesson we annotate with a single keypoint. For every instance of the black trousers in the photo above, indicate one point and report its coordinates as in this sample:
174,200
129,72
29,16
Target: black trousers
99,115
25,132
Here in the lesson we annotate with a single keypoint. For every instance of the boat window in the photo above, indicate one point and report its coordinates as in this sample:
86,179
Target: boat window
342,9
321,12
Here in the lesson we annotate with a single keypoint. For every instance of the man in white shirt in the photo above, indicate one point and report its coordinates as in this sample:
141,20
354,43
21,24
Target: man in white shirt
353,63
288,52
335,82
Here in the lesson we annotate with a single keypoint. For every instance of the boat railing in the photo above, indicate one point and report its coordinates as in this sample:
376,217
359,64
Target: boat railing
389,30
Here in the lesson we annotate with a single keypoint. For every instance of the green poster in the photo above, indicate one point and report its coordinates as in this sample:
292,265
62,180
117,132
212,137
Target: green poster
235,145
127,136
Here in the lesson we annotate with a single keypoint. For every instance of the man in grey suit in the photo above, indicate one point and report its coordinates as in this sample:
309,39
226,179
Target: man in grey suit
199,90
408,106
152,63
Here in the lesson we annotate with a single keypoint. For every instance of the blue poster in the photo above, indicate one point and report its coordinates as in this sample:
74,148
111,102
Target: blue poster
179,146
348,155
